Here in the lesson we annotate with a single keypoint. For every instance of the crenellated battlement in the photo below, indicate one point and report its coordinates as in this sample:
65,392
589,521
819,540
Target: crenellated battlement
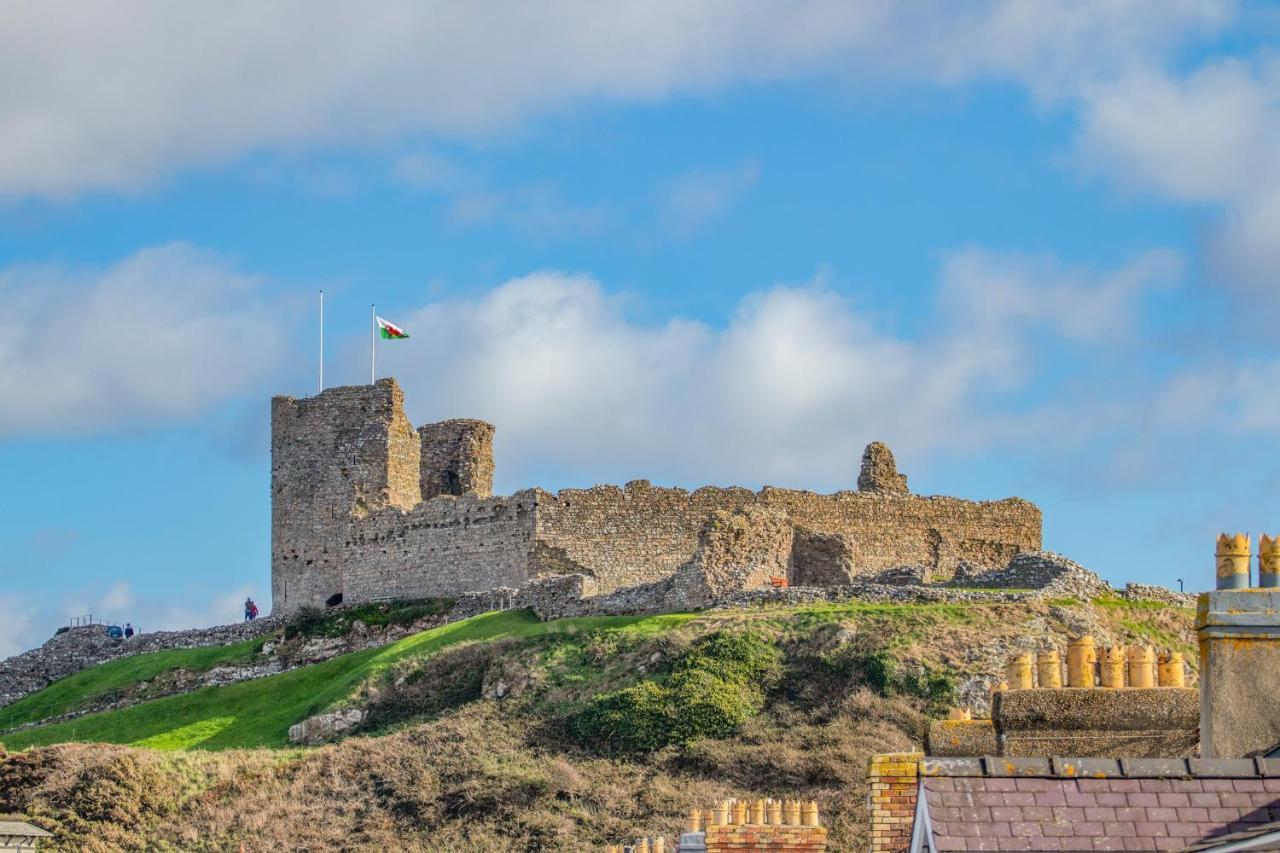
366,507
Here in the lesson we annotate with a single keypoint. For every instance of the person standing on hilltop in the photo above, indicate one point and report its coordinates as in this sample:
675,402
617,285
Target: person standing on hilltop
250,610
128,630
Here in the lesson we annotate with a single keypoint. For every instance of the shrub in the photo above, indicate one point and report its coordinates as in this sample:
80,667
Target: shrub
314,622
882,672
741,656
709,705
879,670
714,687
634,719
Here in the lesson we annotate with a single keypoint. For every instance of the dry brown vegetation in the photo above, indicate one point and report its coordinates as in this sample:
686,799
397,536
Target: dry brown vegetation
483,775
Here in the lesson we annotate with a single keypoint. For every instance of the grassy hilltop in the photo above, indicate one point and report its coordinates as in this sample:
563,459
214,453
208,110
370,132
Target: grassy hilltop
502,732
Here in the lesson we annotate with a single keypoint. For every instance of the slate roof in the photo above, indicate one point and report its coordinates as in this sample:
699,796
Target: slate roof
1091,803
12,830
1263,836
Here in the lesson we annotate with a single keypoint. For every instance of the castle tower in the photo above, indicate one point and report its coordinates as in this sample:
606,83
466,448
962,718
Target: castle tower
335,458
880,472
457,458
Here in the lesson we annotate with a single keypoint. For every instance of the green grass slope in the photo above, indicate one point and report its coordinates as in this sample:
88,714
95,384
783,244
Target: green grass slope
259,712
76,691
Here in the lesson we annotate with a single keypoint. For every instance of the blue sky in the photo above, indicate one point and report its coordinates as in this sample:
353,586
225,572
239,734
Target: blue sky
1030,245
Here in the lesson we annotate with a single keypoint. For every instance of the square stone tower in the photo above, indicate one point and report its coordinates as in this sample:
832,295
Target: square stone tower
457,458
336,458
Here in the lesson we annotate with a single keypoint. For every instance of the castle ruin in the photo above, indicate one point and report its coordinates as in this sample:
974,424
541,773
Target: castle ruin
364,507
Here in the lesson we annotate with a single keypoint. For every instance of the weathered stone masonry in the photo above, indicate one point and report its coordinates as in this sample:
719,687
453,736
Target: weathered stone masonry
364,507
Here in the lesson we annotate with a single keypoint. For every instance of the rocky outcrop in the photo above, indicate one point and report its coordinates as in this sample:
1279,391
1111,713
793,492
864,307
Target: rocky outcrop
1148,592
323,728
880,472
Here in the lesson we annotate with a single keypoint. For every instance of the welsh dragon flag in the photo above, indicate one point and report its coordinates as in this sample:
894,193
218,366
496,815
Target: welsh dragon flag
390,331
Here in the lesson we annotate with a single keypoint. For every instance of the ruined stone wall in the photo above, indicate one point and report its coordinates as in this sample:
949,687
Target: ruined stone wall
457,458
364,507
625,537
443,546
640,534
891,530
335,458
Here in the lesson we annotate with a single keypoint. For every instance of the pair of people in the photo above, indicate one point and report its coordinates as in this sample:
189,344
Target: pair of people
250,610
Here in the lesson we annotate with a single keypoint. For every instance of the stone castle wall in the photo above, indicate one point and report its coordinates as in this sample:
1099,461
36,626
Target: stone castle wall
640,534
365,508
444,546
625,537
457,458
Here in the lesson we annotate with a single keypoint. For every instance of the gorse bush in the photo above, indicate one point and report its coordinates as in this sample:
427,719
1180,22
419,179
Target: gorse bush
715,686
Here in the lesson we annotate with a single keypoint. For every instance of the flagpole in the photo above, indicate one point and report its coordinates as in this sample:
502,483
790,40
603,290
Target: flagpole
320,381
373,345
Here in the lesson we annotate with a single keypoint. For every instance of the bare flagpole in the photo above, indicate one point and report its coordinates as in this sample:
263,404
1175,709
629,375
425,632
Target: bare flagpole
373,345
320,382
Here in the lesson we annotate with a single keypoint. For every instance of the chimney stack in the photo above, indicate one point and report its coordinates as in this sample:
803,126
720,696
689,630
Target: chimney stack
1233,556
1239,633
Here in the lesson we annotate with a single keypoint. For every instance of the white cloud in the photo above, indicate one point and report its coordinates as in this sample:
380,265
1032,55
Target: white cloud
1206,137
1007,292
1235,398
116,599
789,390
536,210
18,620
691,200
424,171
113,97
167,333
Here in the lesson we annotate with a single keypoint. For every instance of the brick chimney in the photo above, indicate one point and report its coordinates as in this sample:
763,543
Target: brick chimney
1239,633
893,779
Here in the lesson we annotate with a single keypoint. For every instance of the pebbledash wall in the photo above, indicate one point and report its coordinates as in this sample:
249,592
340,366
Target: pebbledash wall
363,507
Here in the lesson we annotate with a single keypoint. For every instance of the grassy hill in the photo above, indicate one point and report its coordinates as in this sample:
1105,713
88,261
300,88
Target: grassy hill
442,767
259,712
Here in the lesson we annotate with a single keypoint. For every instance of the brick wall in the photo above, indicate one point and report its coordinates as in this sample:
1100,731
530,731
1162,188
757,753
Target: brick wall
624,537
766,839
893,779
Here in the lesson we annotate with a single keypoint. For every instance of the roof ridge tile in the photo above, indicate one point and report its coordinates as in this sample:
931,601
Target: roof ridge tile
1155,768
